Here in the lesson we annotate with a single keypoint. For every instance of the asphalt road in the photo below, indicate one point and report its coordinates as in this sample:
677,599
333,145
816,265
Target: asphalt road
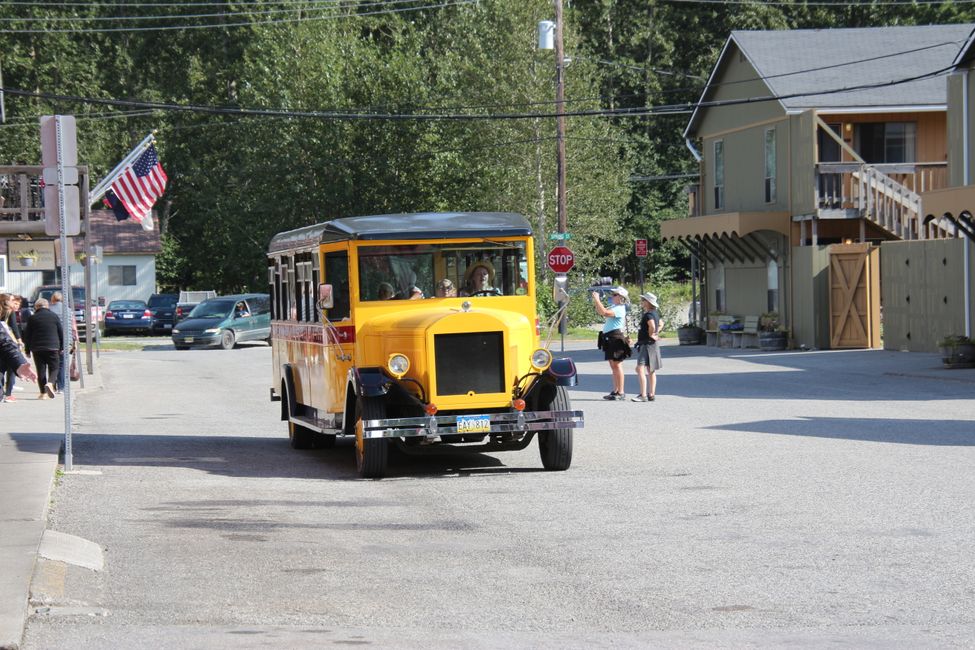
807,499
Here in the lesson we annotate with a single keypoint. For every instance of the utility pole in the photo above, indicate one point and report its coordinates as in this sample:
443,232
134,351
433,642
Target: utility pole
560,116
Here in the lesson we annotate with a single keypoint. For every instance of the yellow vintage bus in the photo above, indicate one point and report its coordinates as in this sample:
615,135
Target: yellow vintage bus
418,330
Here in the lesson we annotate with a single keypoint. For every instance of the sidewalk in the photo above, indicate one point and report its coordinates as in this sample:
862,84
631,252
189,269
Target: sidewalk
31,435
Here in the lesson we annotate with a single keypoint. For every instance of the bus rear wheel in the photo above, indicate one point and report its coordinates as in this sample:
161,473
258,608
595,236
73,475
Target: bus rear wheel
371,454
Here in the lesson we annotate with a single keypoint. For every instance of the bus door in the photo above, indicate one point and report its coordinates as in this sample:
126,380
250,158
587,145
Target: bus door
339,330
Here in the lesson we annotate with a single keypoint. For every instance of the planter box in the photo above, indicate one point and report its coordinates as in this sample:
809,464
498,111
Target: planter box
773,341
958,356
689,335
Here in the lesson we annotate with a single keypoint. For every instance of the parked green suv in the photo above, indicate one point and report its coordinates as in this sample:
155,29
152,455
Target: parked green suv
225,321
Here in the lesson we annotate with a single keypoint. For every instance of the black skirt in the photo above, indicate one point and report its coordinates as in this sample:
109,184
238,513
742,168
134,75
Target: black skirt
613,345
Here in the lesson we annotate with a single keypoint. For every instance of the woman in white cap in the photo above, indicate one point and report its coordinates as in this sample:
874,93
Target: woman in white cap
612,338
647,350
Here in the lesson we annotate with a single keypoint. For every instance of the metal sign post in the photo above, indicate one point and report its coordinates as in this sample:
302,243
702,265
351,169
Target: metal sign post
641,252
65,155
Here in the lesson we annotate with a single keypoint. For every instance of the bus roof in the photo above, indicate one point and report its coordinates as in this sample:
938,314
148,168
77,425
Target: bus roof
419,225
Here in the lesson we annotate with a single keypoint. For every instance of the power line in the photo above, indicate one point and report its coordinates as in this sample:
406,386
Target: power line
672,109
824,3
448,3
322,5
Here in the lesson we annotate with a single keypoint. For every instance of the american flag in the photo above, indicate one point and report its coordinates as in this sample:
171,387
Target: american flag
139,185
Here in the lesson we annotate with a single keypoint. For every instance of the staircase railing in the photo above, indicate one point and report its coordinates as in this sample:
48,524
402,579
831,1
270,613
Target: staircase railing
882,194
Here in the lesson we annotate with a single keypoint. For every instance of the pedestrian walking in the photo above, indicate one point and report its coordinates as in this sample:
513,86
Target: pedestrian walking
12,359
8,320
44,340
647,350
58,306
612,339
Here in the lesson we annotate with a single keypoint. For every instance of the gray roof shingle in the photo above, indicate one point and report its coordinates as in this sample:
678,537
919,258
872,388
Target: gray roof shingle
800,65
779,52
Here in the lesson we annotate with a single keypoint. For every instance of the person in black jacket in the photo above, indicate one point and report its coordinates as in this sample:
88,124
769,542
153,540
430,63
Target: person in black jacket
44,339
12,359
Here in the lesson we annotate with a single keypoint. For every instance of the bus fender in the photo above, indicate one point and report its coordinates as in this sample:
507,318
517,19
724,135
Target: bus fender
371,382
289,403
563,372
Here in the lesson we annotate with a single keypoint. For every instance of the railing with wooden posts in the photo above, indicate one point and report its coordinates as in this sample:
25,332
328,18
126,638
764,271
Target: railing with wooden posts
22,198
21,194
886,194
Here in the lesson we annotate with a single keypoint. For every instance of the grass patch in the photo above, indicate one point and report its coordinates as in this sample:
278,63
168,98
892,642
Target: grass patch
123,346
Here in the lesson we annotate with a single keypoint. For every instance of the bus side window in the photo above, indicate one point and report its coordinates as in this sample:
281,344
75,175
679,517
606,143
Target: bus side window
337,275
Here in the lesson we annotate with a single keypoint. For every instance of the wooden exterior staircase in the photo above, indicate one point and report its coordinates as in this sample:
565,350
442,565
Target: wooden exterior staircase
886,195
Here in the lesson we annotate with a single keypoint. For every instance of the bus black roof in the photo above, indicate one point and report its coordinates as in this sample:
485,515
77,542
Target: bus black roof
419,225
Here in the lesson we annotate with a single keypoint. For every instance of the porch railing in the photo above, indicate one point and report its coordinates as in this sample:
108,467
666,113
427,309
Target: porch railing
888,194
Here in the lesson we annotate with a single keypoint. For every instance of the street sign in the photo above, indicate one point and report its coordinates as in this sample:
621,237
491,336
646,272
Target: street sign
72,209
561,259
49,141
641,248
559,236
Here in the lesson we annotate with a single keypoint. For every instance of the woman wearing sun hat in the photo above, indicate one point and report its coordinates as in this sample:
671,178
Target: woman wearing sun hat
611,339
647,350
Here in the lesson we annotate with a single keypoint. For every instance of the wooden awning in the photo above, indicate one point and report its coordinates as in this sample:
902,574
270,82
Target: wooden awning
729,224
727,237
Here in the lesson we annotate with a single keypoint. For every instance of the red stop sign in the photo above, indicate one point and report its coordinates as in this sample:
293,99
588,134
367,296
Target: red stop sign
561,259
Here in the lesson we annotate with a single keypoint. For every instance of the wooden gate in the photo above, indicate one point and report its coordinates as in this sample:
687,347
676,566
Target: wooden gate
854,296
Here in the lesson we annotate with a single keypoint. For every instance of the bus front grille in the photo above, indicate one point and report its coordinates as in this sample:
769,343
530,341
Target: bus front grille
469,362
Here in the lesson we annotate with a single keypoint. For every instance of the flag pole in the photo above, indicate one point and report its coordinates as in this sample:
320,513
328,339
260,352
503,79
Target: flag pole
106,183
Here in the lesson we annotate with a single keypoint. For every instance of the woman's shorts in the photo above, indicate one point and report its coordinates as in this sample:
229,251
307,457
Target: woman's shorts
615,348
649,356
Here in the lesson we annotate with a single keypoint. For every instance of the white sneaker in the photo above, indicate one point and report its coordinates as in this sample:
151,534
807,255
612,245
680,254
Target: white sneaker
49,390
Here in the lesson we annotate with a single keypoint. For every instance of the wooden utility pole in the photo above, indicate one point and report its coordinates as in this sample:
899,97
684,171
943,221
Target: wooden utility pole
560,116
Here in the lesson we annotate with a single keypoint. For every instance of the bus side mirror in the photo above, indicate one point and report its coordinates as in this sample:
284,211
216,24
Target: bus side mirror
325,299
560,290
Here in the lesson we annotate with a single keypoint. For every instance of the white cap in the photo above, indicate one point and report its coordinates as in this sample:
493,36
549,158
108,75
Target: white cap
621,291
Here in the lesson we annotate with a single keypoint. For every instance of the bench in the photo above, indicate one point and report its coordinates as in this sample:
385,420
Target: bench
713,335
747,336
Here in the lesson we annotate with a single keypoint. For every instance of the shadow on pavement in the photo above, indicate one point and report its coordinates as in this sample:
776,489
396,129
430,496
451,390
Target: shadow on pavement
272,457
945,433
842,375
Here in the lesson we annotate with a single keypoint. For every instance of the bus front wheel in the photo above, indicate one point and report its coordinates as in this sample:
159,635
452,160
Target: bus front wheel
371,454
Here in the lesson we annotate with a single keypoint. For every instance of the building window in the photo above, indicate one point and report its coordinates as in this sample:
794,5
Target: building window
770,165
773,286
829,148
121,276
886,142
718,174
720,298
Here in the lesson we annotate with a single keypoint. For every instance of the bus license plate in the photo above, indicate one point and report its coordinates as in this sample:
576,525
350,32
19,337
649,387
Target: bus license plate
473,423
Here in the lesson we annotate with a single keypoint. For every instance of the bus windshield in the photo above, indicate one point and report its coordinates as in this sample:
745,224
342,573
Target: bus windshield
425,271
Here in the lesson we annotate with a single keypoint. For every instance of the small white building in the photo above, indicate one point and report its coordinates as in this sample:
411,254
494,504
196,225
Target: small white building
127,270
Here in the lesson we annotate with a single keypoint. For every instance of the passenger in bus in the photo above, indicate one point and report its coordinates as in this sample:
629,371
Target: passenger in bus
479,280
386,291
416,293
446,289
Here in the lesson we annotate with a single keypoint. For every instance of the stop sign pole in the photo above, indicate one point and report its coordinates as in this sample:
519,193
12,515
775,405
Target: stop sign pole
561,260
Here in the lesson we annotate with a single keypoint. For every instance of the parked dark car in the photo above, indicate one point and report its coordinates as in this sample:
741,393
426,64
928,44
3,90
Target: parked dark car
225,321
188,300
163,308
128,316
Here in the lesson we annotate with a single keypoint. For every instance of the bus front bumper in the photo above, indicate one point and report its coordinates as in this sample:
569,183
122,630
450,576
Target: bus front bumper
472,424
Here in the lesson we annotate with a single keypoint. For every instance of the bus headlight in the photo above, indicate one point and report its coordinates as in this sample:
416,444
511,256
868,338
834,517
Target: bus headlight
541,359
398,365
